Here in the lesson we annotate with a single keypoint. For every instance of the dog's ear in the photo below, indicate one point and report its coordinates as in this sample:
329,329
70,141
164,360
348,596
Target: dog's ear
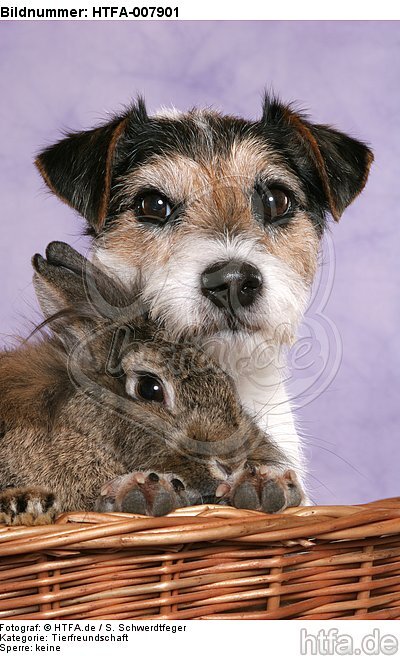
342,162
79,168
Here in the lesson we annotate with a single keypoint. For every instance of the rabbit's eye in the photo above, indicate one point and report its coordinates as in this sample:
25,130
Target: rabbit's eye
149,388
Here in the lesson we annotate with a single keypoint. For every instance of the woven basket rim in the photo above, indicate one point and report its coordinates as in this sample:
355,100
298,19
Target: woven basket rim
210,561
204,524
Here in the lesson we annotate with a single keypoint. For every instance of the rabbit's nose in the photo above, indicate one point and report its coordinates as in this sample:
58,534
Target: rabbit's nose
231,285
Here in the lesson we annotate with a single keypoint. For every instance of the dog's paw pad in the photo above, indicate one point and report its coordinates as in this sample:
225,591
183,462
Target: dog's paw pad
295,494
134,502
273,498
163,502
245,496
27,506
142,493
263,488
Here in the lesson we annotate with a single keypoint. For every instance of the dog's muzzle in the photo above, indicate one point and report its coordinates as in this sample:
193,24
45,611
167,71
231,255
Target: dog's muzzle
231,285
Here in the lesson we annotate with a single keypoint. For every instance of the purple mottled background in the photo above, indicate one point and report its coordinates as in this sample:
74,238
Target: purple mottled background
56,75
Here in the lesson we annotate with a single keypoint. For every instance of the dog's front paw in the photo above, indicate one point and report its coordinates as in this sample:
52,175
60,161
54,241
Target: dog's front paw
142,493
264,488
27,506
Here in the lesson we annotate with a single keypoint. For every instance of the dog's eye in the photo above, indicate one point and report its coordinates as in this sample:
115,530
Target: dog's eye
149,388
271,203
276,202
152,207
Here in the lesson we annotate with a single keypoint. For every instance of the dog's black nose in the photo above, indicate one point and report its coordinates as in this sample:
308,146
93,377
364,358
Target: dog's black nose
231,284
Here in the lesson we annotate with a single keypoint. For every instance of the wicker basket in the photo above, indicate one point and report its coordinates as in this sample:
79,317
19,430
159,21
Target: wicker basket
318,562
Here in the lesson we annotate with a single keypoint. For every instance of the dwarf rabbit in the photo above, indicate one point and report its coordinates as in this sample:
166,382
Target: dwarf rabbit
104,412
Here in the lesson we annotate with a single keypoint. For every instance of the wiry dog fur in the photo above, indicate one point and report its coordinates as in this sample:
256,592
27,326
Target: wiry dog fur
211,168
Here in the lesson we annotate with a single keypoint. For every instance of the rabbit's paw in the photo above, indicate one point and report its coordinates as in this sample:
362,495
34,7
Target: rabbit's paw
263,488
142,493
27,506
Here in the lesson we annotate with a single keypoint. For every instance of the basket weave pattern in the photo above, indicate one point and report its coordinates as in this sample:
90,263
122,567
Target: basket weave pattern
206,562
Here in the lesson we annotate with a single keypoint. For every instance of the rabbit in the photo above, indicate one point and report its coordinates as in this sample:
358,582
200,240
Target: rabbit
103,412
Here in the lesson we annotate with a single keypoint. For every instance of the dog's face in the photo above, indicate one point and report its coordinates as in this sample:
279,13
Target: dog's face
216,220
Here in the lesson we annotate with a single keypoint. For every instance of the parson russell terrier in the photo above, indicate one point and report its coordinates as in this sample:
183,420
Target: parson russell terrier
217,221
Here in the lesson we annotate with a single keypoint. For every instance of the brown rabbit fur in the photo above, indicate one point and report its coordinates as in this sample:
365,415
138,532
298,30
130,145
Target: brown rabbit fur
72,419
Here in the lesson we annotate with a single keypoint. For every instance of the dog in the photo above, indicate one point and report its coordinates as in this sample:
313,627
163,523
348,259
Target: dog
217,220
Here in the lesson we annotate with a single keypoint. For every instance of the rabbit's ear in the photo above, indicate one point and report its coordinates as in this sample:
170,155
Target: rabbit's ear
69,286
59,282
63,283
